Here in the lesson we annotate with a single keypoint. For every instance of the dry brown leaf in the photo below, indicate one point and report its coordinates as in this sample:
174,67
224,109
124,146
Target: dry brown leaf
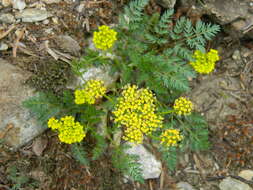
39,145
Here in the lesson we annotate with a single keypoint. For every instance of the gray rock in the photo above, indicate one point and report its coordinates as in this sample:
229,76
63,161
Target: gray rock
99,73
233,184
184,186
68,44
32,15
16,123
234,9
3,46
167,3
18,4
7,18
150,166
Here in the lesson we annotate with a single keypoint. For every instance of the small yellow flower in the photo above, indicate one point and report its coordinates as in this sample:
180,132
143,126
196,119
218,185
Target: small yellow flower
93,90
205,62
54,123
183,106
171,137
69,130
135,112
104,38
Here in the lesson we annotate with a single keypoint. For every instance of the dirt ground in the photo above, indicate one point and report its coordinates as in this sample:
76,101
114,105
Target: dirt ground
55,169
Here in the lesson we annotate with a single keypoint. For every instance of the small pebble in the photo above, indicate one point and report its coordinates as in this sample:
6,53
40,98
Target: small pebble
3,46
46,21
236,55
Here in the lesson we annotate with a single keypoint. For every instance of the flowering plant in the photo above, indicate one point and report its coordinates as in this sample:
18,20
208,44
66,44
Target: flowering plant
154,59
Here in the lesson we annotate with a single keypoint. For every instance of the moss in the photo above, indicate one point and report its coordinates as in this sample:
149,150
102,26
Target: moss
50,76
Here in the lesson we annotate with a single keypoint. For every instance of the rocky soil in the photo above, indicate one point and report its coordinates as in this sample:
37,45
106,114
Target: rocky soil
38,38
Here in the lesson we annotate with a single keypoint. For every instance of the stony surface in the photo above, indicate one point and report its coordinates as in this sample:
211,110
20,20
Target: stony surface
7,18
233,184
151,167
17,126
237,19
68,44
246,174
184,186
32,15
216,98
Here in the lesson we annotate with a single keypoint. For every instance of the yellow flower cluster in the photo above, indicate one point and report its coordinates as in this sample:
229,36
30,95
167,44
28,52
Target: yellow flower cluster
93,90
205,62
183,106
136,112
171,137
104,38
69,130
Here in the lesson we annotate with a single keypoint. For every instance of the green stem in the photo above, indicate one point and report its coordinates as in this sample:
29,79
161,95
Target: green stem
166,112
108,98
192,134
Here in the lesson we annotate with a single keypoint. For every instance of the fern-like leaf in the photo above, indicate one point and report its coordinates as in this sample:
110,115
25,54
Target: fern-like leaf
43,106
79,154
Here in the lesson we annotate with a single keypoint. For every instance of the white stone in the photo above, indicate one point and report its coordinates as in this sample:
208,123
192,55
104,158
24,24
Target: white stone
246,174
32,15
18,4
151,167
233,184
17,125
184,186
3,46
7,18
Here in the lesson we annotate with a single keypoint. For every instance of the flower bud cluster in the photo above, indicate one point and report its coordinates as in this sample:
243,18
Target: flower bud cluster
69,130
205,62
183,106
104,38
171,137
93,90
135,111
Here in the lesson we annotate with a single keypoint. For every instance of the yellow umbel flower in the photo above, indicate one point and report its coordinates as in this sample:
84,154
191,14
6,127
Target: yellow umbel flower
54,123
171,137
135,111
93,90
104,38
69,130
183,106
205,62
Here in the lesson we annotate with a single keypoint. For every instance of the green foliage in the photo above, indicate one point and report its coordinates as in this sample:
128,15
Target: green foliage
19,180
197,132
126,163
43,106
79,154
100,146
170,157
